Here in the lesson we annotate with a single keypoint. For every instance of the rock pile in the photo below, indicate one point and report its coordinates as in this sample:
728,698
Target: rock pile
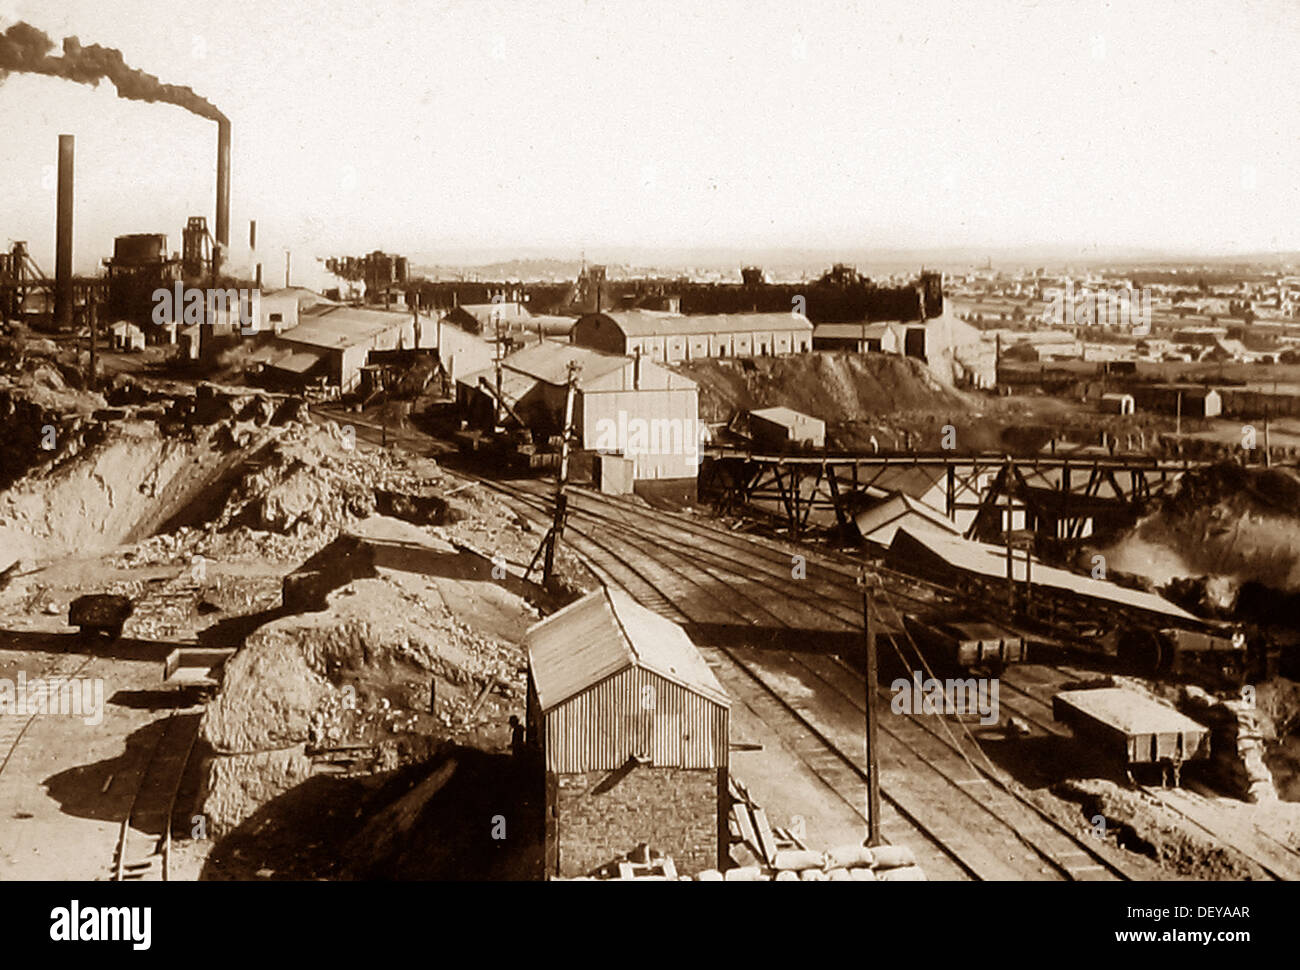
1239,731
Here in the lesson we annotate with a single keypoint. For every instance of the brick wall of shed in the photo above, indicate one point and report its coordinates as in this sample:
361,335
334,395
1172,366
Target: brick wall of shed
675,810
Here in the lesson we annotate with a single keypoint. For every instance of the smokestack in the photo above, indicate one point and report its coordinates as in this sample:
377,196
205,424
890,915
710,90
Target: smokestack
222,248
63,237
252,249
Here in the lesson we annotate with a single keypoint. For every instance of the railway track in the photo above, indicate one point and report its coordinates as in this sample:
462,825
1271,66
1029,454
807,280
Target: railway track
14,728
1193,802
153,802
747,579
727,577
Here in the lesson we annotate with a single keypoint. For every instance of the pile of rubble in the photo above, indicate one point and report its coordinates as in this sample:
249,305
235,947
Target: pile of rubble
296,495
367,636
1140,823
1237,743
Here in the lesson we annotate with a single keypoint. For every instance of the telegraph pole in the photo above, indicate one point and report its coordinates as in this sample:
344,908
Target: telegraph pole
561,499
873,773
91,313
500,353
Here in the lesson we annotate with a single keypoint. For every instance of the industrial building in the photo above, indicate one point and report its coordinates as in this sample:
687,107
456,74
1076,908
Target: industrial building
139,266
887,337
509,319
333,342
622,405
781,428
630,729
673,338
126,336
1189,400
486,318
878,524
926,340
281,308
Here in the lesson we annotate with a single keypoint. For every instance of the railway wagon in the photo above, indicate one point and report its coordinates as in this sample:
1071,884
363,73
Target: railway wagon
1187,651
1131,729
966,642
1192,650
196,668
100,613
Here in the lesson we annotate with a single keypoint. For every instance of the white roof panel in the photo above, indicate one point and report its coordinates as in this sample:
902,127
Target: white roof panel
605,633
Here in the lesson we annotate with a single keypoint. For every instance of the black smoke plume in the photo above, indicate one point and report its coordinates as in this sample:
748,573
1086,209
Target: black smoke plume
26,50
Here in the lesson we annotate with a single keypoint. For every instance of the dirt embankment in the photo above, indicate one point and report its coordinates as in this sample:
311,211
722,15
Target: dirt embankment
1141,824
92,504
135,467
368,659
866,400
44,406
889,403
836,387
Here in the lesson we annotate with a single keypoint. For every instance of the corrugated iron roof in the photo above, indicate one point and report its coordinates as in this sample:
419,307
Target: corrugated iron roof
880,522
335,326
785,416
646,323
485,312
514,387
305,297
914,480
991,562
855,331
604,633
549,361
299,362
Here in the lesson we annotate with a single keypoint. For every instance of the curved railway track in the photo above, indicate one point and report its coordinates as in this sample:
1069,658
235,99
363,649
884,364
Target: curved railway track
703,585
835,586
12,729
153,801
154,797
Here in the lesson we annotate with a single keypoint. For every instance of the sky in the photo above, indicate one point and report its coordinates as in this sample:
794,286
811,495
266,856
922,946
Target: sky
564,127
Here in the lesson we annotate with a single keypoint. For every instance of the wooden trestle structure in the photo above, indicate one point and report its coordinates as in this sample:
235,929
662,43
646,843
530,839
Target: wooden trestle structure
1057,494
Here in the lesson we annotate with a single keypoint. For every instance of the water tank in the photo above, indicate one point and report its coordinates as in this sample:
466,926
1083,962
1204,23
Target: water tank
140,248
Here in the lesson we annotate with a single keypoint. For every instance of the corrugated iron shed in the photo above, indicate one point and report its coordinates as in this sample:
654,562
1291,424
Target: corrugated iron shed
643,323
603,634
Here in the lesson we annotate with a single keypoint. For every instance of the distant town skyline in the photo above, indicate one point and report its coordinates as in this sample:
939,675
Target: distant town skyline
562,127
